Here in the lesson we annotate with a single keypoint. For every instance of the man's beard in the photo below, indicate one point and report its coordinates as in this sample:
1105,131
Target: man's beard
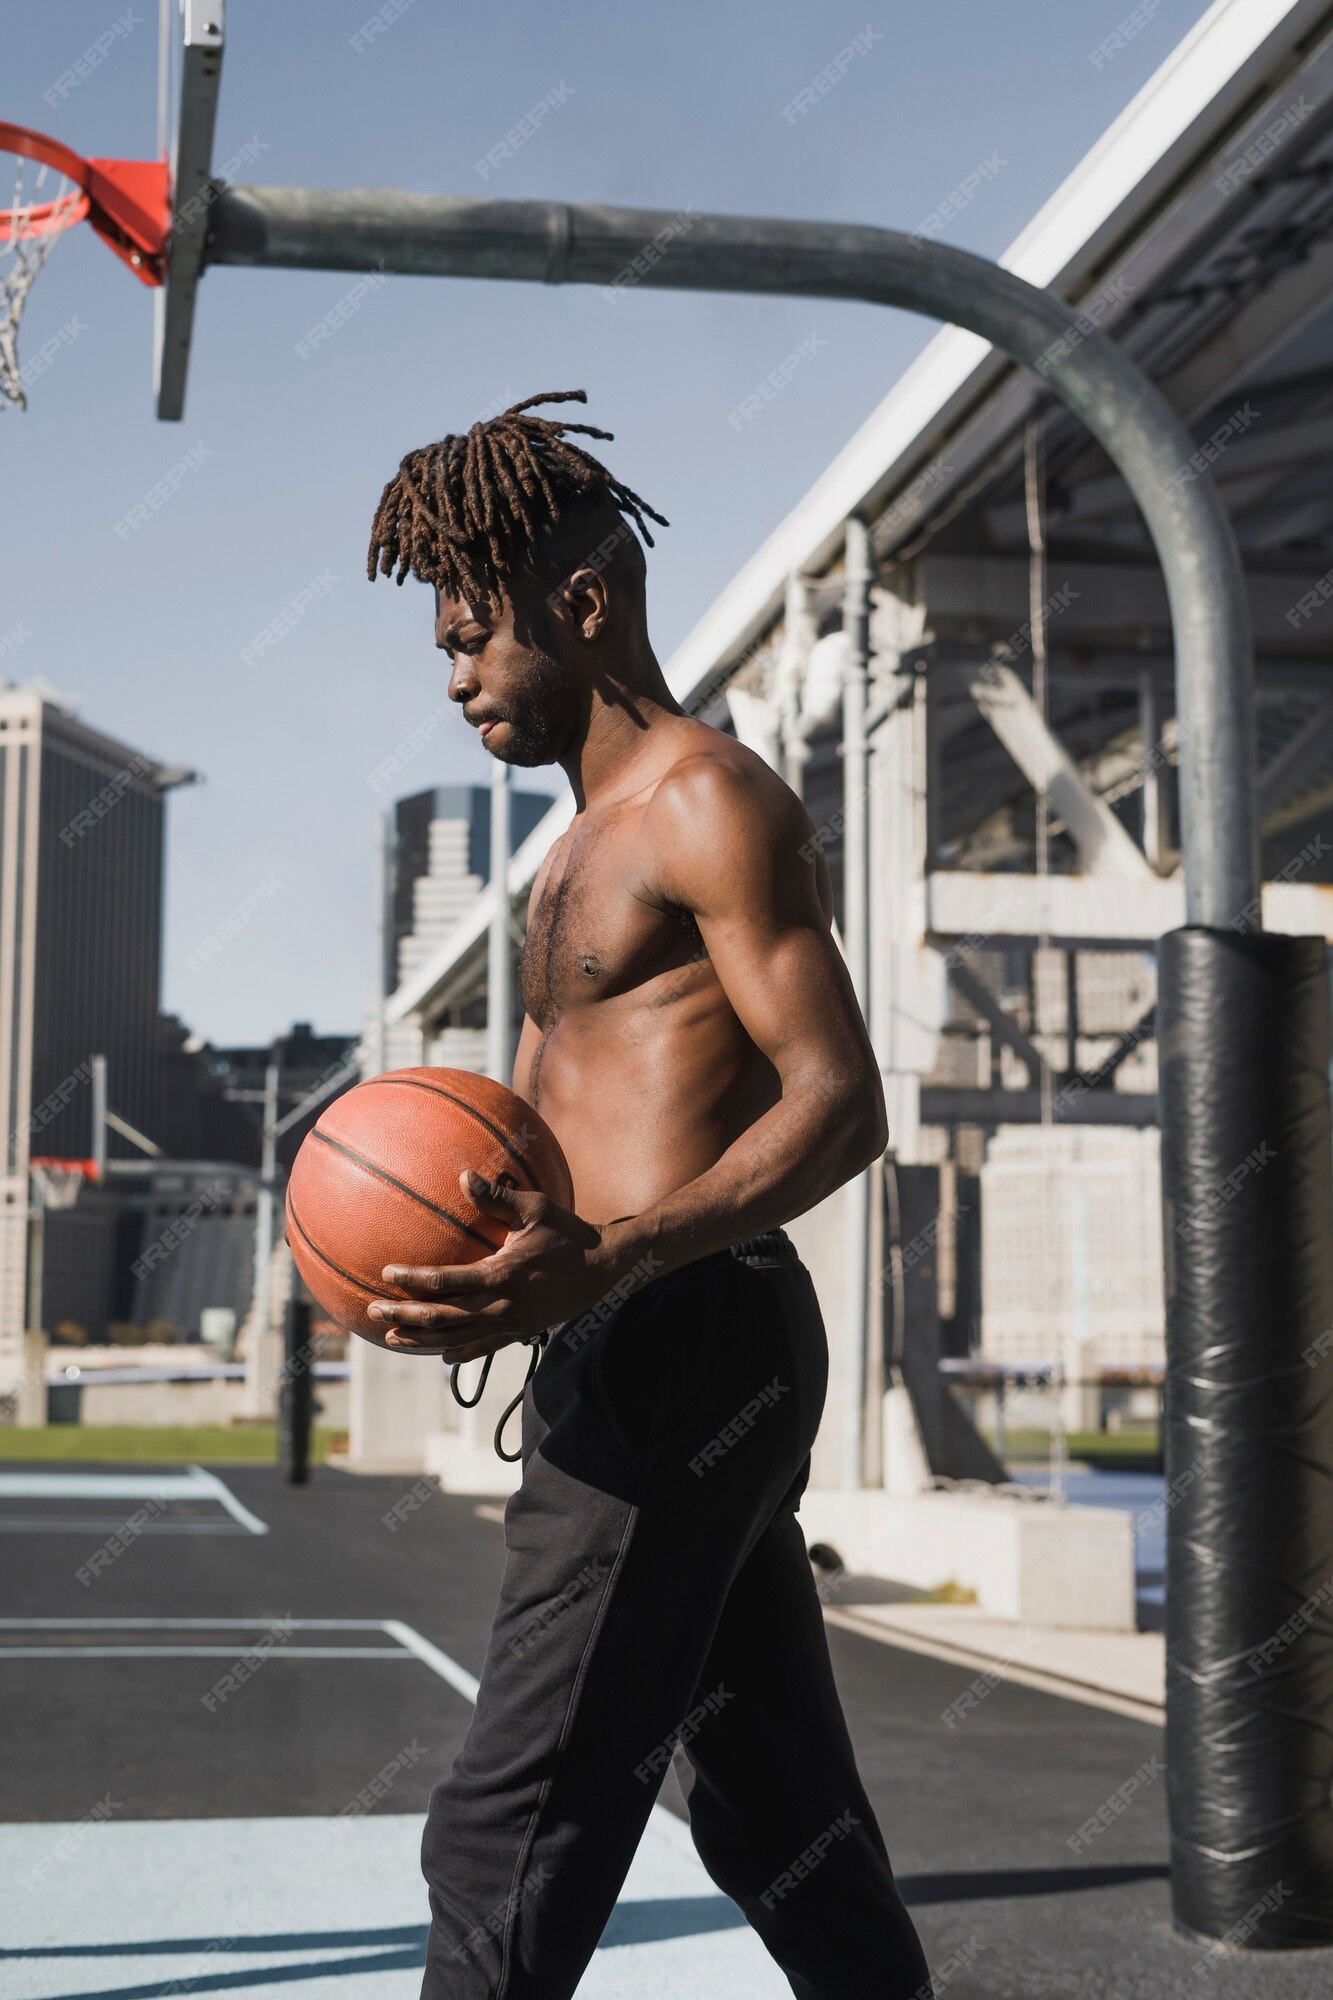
541,721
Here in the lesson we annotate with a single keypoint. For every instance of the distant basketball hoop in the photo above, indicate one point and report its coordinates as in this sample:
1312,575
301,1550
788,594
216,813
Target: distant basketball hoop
59,1181
53,189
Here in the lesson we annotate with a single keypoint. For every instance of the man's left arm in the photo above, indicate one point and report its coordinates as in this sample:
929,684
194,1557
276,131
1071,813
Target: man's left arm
733,847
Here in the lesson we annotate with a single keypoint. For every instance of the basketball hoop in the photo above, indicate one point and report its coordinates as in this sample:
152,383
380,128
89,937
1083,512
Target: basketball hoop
59,1181
54,188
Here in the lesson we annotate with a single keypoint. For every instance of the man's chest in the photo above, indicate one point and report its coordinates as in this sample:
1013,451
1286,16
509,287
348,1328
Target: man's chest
595,931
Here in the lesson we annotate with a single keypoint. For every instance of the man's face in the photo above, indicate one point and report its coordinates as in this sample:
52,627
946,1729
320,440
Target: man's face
527,705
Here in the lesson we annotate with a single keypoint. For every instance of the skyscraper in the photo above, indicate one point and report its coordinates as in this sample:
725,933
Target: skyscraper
81,861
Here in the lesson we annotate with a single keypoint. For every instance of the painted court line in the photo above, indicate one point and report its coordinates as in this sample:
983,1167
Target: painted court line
439,1663
211,1484
192,1624
199,1653
195,1483
34,1524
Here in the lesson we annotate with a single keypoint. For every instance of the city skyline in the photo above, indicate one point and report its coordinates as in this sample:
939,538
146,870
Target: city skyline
290,432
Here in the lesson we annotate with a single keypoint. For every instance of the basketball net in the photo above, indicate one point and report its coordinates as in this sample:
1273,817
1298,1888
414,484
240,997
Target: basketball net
45,204
58,1181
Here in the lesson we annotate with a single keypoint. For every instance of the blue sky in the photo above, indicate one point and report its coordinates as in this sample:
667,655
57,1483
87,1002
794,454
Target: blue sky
663,108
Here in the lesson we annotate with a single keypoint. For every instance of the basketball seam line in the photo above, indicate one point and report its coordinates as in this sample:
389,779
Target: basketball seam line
438,1090
315,1251
391,1180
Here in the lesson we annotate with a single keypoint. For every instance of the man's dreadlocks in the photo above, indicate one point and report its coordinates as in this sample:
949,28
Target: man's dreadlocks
468,513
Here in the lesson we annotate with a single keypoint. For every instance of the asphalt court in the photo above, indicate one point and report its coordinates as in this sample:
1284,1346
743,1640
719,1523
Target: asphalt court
220,1743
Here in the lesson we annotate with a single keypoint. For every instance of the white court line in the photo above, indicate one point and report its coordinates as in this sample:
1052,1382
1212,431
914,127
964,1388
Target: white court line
198,1653
98,1485
192,1624
210,1482
195,1483
33,1524
466,1684
439,1663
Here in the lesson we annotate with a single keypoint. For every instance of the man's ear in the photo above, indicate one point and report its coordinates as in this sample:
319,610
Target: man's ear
583,601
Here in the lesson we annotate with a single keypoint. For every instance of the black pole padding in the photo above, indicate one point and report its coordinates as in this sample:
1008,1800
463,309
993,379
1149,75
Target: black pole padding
1243,1043
296,1398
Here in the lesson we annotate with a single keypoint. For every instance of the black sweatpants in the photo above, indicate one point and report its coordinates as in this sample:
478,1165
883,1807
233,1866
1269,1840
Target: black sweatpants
656,1590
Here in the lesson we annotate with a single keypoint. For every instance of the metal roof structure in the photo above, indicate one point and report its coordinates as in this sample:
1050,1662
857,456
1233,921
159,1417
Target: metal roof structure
1198,231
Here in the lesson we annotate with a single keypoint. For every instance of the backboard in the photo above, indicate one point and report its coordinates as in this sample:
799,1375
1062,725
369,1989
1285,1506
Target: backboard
190,44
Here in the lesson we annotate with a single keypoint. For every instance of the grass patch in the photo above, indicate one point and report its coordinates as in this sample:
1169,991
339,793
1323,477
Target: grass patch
1108,1448
158,1444
947,1593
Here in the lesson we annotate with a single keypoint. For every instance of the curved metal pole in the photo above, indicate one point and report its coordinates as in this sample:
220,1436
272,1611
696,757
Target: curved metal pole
558,243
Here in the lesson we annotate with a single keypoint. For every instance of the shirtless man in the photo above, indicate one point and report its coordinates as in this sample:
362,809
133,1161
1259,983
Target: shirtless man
692,1039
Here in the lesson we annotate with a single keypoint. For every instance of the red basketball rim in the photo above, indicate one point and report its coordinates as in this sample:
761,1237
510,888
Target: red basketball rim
44,218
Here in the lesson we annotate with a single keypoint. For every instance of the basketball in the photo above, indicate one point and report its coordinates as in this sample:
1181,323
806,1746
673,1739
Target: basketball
376,1182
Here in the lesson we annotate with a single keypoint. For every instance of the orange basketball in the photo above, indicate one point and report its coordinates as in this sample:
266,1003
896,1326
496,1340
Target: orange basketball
376,1182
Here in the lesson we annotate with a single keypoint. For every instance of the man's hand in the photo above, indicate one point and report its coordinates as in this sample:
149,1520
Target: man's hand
549,1267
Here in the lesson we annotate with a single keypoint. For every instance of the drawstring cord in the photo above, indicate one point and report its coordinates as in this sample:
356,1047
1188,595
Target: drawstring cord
537,1344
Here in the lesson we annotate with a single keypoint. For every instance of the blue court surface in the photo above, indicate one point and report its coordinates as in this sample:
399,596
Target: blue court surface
326,1908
